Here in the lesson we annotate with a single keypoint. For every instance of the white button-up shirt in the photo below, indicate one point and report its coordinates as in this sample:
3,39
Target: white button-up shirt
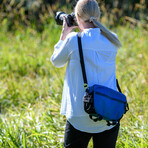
99,58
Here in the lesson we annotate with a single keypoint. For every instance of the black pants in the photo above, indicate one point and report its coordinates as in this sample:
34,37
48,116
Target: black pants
76,139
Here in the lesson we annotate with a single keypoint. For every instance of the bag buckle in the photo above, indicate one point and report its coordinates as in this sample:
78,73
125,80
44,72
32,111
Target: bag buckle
85,86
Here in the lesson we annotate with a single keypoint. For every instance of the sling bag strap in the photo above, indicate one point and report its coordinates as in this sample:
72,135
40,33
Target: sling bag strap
83,66
86,84
82,60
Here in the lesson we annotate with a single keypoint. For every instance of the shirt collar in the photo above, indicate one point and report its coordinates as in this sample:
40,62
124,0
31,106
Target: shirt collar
91,29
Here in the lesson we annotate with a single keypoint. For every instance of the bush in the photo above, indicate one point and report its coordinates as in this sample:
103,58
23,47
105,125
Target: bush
37,13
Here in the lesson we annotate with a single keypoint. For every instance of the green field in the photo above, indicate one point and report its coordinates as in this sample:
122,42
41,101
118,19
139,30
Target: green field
31,88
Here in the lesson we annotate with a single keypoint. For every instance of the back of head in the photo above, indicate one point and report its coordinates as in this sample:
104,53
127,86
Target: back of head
89,11
86,9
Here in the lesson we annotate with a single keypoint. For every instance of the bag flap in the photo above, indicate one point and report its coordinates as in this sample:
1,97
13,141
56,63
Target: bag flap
110,93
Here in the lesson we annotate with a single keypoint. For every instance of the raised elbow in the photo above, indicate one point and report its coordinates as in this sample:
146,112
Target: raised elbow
56,63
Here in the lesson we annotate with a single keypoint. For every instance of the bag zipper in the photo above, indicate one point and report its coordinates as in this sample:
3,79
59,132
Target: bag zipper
110,97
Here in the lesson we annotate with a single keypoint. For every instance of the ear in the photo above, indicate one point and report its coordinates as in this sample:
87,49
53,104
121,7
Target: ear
80,20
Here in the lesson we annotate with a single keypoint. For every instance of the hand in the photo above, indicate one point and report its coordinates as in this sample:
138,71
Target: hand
66,30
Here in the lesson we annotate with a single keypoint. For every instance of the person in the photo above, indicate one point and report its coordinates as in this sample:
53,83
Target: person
99,49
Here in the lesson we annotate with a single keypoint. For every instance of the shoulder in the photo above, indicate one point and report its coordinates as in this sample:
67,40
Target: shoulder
71,36
71,39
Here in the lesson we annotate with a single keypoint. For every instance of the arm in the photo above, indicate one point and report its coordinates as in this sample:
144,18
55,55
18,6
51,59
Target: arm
61,53
62,48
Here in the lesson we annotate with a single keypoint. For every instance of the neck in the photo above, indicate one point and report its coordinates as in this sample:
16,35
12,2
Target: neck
87,25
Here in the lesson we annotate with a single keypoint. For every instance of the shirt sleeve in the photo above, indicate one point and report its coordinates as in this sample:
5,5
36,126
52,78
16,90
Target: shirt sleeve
61,53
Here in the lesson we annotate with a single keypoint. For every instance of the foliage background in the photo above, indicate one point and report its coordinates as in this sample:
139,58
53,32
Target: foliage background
31,87
37,13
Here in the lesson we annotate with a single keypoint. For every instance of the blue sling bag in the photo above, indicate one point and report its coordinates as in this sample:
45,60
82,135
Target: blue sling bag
101,102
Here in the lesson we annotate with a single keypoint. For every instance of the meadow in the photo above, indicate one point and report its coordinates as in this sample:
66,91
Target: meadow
31,88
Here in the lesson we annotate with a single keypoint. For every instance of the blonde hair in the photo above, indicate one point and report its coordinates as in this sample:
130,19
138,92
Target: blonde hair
89,11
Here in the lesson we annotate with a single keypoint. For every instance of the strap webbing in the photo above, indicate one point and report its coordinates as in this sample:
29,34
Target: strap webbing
81,58
118,86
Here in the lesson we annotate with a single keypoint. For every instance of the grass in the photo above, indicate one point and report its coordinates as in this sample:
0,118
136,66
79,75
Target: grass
31,88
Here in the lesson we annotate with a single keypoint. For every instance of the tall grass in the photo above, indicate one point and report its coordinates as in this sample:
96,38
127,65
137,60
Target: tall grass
31,88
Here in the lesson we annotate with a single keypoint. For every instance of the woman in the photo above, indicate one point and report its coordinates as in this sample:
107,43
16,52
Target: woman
99,48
